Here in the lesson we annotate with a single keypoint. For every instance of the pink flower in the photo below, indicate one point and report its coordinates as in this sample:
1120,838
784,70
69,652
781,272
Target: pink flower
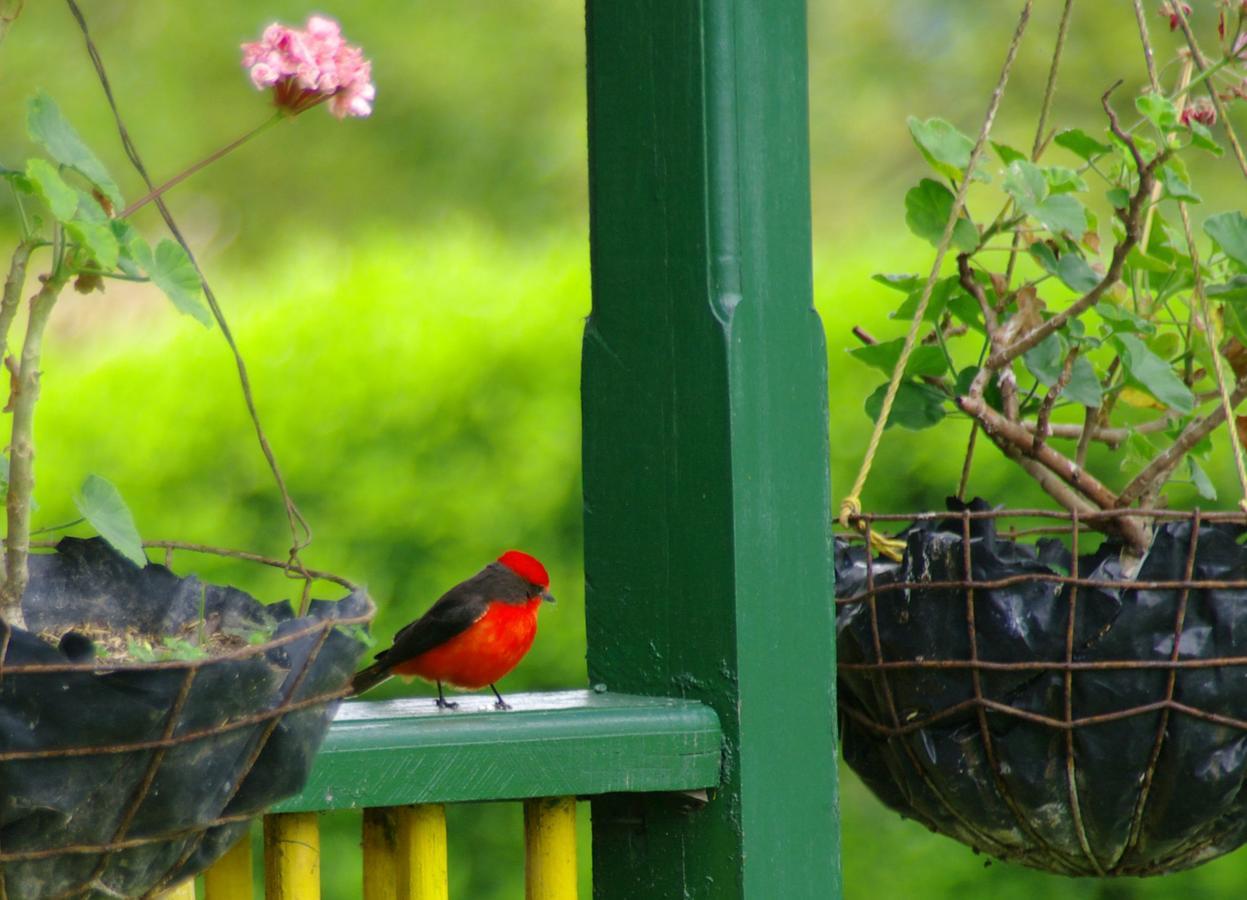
309,66
1170,10
1201,111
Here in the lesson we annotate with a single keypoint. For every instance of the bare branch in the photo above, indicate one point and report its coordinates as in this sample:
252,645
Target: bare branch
1006,434
1167,460
1087,433
1110,437
1042,425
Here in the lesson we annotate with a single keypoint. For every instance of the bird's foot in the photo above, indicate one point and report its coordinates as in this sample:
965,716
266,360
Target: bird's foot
443,703
501,704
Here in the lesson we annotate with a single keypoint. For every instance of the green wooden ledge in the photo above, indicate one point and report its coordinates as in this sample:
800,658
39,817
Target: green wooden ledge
394,752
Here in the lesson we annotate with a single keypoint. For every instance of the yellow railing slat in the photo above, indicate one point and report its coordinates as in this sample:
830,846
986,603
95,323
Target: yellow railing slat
380,854
291,857
230,878
550,848
422,858
405,853
184,891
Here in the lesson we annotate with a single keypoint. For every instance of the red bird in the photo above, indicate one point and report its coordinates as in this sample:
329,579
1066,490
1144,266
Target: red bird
473,635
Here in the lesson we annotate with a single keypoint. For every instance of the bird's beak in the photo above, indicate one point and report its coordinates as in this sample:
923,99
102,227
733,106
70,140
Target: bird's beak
547,596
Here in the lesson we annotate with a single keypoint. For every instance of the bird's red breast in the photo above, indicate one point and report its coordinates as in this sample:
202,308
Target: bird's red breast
483,652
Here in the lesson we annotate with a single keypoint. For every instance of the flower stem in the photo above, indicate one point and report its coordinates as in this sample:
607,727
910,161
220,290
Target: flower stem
22,450
207,160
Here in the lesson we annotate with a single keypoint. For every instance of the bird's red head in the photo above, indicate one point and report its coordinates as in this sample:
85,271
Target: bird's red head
526,567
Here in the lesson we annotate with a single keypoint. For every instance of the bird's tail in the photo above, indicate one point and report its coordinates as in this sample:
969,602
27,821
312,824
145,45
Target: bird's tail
369,678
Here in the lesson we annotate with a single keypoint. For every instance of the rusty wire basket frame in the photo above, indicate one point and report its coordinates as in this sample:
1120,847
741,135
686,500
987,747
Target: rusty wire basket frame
269,718
1073,524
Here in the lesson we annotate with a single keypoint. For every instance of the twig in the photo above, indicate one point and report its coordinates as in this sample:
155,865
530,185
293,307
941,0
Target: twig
1168,459
1130,219
1110,437
300,530
1042,426
1003,432
9,11
969,461
1088,432
997,425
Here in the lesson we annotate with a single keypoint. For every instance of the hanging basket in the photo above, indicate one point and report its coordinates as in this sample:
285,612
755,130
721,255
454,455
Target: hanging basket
118,779
1033,700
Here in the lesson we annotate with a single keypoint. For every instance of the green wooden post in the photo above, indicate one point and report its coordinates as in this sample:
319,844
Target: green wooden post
707,501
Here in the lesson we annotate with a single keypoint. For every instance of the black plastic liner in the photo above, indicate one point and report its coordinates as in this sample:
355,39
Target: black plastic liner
54,808
1151,792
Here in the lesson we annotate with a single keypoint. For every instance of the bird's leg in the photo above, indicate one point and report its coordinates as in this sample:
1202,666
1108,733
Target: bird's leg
501,704
442,702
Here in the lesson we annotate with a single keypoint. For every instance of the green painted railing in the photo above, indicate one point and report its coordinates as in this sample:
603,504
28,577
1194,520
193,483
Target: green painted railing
571,743
401,761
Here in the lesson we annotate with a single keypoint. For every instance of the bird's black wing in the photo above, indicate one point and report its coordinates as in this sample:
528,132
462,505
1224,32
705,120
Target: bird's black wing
453,613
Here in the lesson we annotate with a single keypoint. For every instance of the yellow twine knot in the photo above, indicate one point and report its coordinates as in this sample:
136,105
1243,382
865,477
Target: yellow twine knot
881,545
850,509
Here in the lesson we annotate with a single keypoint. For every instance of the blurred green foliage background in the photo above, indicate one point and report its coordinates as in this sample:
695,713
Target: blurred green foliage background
409,290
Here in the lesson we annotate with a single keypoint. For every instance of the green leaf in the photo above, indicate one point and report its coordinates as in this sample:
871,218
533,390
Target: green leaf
100,504
1233,291
1154,374
1139,450
1229,230
61,199
1062,180
1137,259
1006,153
967,311
98,239
1119,197
1076,274
1176,187
48,127
1025,183
1084,386
941,291
1071,268
91,228
1062,214
1029,186
1044,255
1118,318
171,270
1082,144
1201,137
1199,478
943,146
1235,315
916,406
1159,110
902,283
20,182
1045,359
130,245
923,361
927,208
1165,344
